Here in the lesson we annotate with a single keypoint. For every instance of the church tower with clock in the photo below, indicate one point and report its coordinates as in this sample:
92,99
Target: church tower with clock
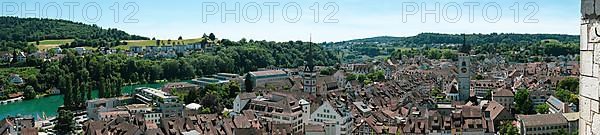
464,71
464,77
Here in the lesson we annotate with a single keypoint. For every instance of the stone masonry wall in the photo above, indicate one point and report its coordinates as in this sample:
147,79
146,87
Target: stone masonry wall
589,95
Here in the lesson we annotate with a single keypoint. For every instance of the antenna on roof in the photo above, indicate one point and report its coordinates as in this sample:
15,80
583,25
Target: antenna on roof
310,42
309,59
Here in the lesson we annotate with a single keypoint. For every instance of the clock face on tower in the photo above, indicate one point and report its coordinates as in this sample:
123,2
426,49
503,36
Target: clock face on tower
463,70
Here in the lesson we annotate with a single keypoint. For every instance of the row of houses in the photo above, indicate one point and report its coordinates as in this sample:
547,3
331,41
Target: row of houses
498,79
44,55
175,48
9,56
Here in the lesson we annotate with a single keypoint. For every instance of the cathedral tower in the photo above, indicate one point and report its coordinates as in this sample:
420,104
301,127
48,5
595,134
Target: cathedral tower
464,77
464,71
309,76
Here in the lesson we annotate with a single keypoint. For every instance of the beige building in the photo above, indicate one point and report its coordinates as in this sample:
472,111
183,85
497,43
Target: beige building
480,88
260,78
573,120
542,124
505,97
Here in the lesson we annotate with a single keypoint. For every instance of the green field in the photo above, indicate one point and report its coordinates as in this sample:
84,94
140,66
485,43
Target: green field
550,40
402,48
46,44
153,42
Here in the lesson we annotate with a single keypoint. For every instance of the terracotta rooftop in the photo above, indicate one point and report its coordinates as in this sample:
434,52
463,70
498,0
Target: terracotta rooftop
542,119
503,93
267,72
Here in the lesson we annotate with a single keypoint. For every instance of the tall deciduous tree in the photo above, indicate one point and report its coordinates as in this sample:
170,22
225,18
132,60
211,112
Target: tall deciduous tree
29,92
212,37
542,108
569,83
192,96
523,102
155,73
234,88
186,70
249,83
65,123
508,129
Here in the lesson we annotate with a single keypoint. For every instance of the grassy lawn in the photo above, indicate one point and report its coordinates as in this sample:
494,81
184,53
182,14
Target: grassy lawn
402,48
24,72
90,48
153,42
46,44
550,40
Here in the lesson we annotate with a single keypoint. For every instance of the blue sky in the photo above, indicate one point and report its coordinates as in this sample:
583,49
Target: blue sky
355,18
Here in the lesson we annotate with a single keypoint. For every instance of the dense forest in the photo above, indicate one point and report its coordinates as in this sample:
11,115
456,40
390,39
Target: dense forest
515,47
16,32
475,39
513,53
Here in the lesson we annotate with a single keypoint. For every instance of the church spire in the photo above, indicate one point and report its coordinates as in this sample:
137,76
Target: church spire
309,58
464,48
309,74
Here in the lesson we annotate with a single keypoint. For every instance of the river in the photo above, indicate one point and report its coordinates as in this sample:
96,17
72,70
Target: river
50,104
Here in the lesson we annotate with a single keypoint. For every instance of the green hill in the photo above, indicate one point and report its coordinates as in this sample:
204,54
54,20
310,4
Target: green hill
18,33
36,29
476,39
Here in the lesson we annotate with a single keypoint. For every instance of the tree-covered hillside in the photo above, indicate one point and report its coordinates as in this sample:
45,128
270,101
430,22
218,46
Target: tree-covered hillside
382,39
474,39
516,47
16,32
36,29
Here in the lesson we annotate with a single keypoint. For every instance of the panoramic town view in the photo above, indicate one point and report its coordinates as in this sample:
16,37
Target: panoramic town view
247,67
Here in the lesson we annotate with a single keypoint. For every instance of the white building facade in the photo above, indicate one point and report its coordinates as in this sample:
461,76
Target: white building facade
335,120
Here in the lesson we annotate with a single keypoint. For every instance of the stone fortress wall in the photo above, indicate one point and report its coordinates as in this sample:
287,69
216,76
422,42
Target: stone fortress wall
589,95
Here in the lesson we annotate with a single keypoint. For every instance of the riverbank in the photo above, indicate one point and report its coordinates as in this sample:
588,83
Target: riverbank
49,104
12,100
